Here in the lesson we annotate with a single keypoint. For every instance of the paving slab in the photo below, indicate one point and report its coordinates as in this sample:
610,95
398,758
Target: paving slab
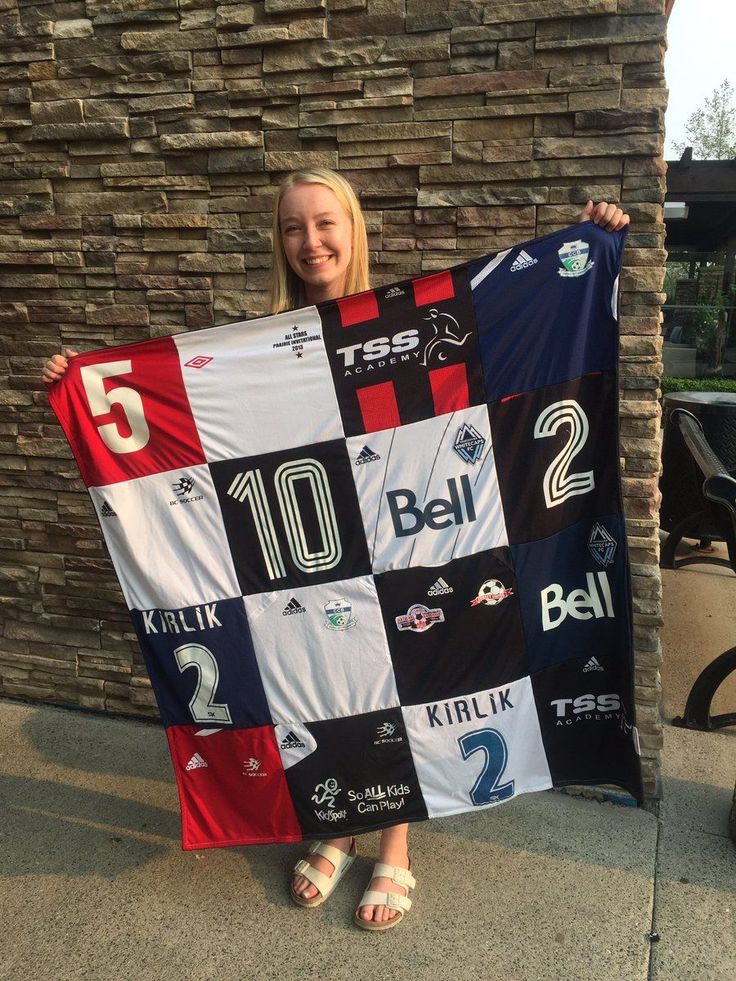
95,884
695,906
698,776
699,610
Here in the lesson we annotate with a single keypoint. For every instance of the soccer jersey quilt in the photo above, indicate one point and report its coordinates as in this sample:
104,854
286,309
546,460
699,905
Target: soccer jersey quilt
374,550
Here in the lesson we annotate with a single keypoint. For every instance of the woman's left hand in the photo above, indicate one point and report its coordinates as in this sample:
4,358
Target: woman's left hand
608,216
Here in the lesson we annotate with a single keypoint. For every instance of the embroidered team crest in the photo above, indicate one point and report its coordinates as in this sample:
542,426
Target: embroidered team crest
574,258
339,615
469,443
601,545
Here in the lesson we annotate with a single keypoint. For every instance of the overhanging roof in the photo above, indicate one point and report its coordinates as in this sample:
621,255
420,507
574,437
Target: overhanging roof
708,187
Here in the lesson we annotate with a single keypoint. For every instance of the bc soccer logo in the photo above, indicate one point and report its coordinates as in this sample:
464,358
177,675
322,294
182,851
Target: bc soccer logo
183,487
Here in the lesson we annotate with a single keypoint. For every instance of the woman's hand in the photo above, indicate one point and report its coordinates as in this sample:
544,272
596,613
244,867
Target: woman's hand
608,216
57,365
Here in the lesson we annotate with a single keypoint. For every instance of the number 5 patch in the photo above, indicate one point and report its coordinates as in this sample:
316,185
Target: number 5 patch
126,412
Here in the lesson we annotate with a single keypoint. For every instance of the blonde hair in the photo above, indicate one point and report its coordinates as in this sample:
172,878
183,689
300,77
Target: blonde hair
287,289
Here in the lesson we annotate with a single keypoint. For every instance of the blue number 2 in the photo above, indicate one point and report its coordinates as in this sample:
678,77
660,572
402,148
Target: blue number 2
486,789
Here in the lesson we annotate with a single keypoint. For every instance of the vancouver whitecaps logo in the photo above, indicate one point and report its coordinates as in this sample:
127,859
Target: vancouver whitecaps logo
469,443
601,545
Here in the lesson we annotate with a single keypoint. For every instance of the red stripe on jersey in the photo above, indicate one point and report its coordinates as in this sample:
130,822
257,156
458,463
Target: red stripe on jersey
433,289
449,388
379,407
356,309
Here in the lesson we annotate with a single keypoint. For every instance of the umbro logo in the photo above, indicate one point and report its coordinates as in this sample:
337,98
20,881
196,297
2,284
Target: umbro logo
366,455
293,606
439,588
394,291
106,511
292,741
196,762
523,261
593,665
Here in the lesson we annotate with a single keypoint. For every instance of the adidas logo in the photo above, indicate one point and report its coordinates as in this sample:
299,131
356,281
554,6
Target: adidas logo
293,606
292,741
196,762
593,665
367,455
439,588
522,261
394,291
106,511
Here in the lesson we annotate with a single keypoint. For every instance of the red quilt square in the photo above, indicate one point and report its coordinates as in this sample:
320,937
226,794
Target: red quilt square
232,787
127,413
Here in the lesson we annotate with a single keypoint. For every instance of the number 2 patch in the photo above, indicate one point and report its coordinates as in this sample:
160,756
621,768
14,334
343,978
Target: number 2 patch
127,413
550,471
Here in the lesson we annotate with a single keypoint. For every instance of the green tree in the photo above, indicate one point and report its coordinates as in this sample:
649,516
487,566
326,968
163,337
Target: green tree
711,130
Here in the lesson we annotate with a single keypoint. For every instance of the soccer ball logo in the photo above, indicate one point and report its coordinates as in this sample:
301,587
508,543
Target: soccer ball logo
491,593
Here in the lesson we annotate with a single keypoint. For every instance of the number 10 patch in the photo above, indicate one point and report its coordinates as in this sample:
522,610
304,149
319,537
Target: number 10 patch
292,518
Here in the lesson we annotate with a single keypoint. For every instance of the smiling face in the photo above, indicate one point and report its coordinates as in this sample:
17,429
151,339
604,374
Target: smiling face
317,235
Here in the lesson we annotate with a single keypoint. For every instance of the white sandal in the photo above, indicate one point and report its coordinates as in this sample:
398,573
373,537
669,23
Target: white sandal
324,883
392,900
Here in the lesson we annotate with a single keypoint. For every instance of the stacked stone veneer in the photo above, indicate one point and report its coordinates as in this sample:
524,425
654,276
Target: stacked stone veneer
139,144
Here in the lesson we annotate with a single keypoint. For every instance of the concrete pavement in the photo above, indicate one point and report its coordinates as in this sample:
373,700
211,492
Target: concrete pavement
548,886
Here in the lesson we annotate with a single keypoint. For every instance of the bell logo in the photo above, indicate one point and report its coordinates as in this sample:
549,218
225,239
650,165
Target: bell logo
581,604
408,519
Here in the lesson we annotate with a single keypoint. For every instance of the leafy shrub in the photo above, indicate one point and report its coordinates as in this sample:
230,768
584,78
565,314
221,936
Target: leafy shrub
670,384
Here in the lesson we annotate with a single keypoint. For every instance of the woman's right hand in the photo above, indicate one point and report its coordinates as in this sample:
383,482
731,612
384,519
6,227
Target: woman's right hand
57,365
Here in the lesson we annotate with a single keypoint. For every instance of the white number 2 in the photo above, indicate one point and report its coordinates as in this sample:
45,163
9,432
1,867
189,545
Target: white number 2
558,484
201,706
102,401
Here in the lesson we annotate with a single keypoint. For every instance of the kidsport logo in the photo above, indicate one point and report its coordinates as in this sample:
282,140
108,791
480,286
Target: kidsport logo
326,793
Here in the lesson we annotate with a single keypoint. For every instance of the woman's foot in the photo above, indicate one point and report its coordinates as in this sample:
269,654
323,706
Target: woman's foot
393,851
302,886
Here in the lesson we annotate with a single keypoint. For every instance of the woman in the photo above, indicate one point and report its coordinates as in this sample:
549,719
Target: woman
321,253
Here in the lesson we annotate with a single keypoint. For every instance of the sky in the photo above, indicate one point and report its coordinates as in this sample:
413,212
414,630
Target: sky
701,53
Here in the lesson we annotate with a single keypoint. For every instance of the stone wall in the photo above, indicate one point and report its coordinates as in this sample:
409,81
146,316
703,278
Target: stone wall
139,144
